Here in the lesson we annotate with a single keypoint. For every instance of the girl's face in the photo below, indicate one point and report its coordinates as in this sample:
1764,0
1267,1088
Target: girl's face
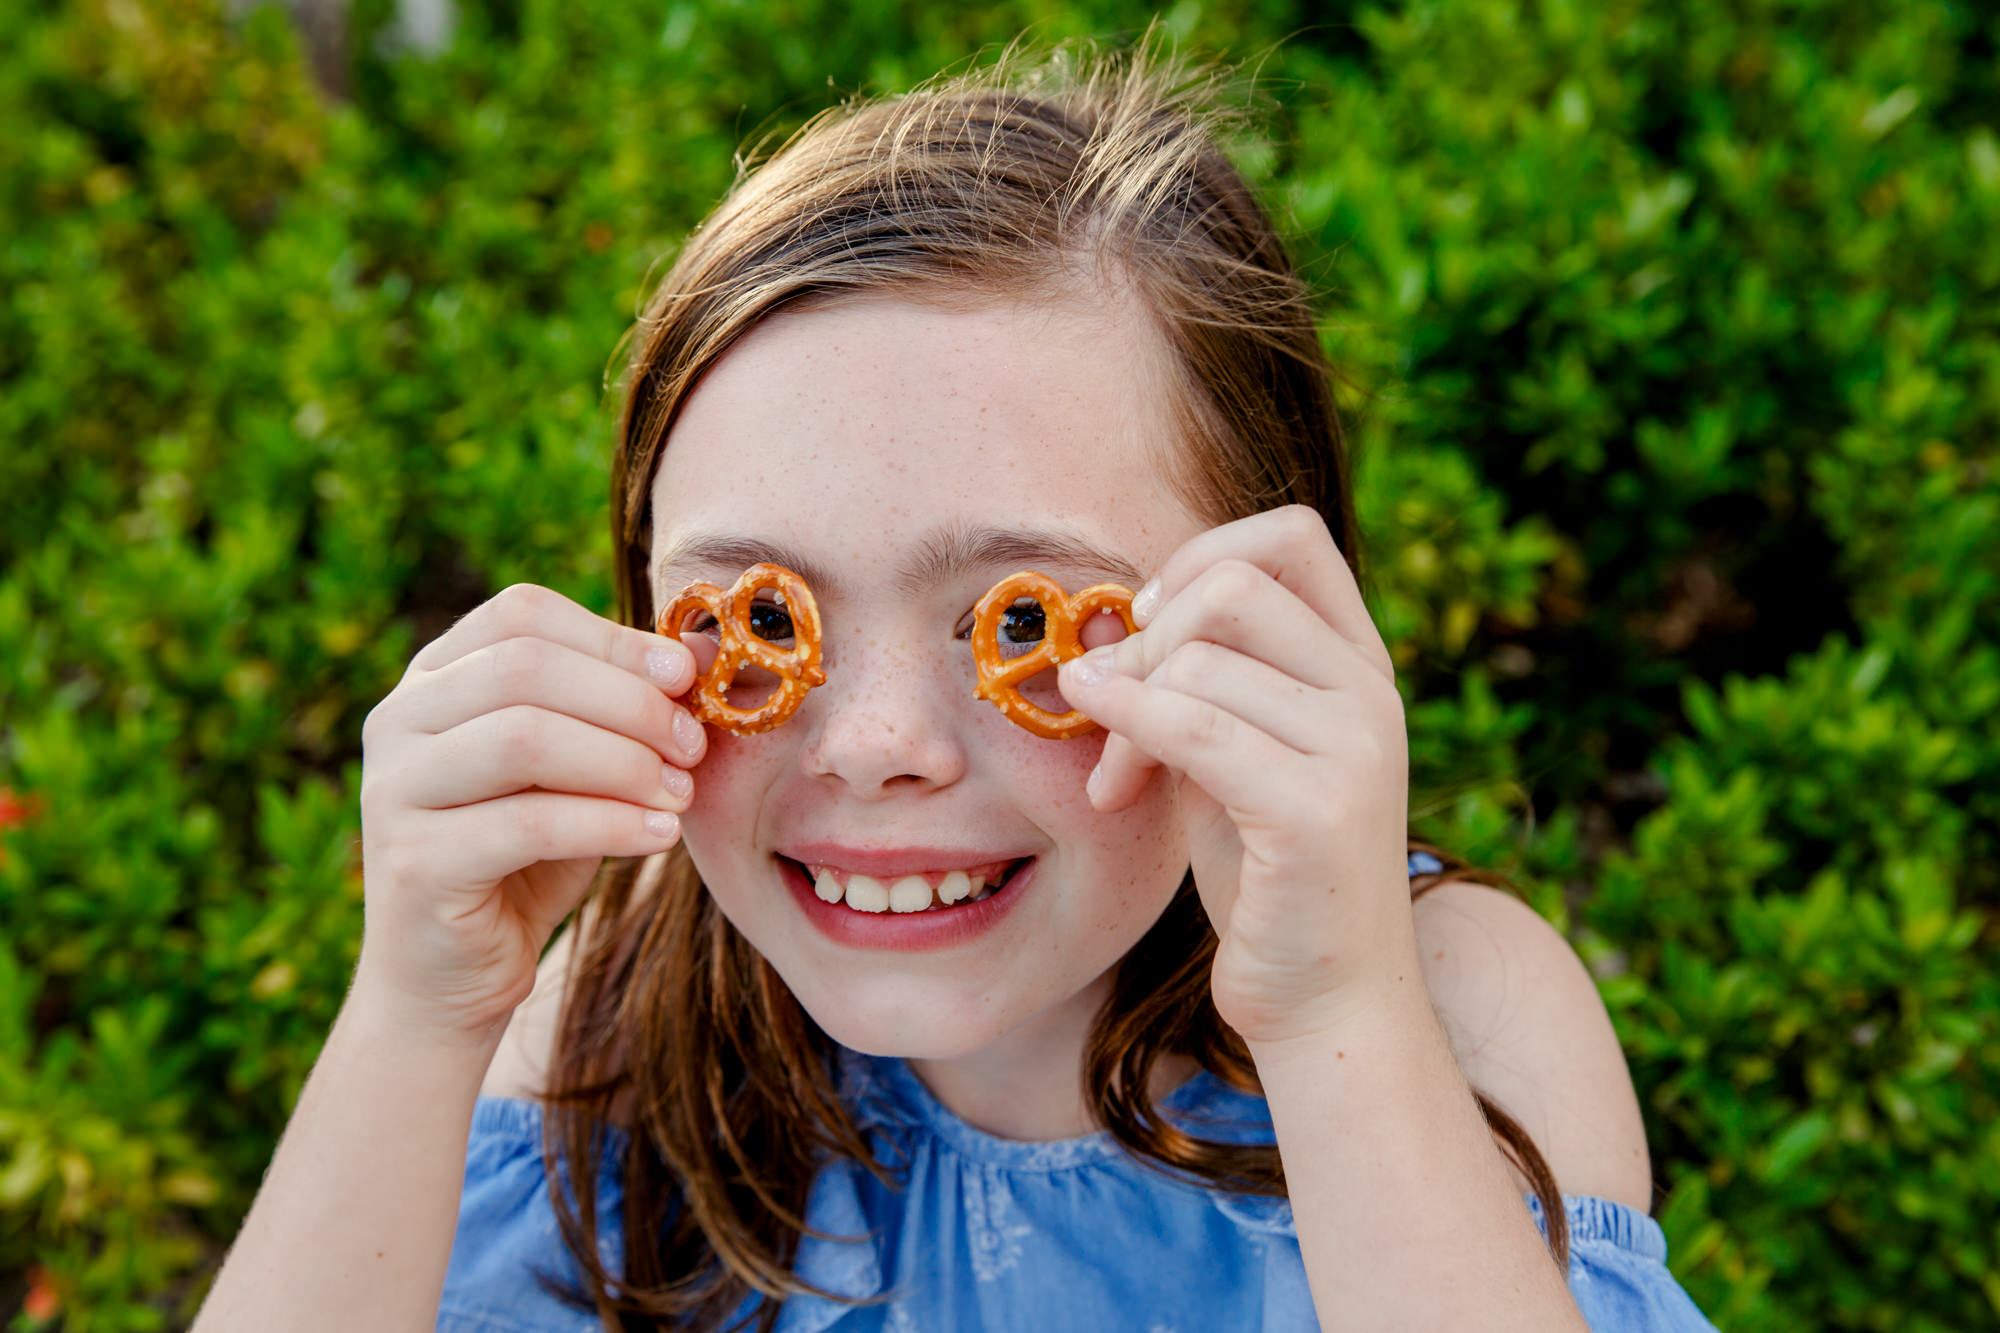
903,458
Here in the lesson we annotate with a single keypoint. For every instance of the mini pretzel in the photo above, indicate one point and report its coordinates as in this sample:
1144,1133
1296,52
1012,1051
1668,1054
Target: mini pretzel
797,668
1000,678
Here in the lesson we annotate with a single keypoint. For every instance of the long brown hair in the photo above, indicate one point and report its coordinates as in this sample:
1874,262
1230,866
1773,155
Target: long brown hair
979,185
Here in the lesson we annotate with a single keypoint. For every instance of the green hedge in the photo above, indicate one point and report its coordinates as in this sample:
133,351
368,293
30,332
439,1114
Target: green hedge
1673,332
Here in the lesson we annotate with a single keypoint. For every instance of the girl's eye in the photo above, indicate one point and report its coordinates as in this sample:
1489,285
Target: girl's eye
1021,627
1022,623
768,621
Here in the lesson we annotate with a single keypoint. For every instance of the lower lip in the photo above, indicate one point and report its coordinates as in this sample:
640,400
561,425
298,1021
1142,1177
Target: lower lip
911,932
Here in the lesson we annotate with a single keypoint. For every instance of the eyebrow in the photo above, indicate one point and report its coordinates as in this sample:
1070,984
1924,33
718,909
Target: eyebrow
942,555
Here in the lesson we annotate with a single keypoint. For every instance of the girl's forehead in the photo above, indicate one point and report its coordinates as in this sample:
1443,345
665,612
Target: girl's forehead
885,438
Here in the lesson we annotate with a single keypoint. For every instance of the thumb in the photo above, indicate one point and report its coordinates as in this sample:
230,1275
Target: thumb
1121,774
705,651
1102,628
1122,771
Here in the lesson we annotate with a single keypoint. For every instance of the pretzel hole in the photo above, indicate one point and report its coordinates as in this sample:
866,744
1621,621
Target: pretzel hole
1041,690
751,686
1022,628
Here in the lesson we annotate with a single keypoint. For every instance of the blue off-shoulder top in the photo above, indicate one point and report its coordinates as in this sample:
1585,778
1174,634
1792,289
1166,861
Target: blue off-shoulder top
987,1233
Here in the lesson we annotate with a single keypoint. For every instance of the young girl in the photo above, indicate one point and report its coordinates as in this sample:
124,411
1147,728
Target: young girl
1151,1035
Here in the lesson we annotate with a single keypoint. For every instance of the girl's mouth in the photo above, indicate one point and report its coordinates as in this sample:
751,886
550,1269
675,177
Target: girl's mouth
920,891
866,915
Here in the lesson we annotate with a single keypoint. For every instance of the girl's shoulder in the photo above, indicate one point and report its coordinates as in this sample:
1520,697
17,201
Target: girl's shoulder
1531,1032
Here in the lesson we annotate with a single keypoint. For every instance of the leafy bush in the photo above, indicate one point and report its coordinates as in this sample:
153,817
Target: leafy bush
1675,336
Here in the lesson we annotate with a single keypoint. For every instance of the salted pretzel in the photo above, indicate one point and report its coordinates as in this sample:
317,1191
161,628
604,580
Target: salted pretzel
797,668
1063,616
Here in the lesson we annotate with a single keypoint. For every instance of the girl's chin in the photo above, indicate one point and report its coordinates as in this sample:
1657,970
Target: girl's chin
901,1025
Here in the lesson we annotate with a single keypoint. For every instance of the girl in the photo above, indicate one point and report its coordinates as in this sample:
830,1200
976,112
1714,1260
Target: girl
1155,1038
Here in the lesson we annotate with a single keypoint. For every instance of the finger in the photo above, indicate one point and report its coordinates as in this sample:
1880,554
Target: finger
1293,714
1103,628
523,748
493,839
1296,715
1121,774
1228,758
1121,771
1293,546
703,649
542,673
528,610
1236,604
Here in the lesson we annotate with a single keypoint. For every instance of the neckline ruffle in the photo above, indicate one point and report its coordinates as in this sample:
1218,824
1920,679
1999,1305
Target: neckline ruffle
886,1093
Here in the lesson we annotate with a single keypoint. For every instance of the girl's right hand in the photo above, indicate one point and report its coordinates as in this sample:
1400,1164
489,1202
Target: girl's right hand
521,748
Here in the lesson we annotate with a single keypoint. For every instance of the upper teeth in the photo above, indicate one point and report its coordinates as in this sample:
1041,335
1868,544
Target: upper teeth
906,893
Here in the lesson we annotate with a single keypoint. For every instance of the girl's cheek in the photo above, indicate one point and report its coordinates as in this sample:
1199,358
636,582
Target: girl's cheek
1049,773
725,772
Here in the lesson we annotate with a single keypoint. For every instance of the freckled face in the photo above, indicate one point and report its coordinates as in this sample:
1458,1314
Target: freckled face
852,436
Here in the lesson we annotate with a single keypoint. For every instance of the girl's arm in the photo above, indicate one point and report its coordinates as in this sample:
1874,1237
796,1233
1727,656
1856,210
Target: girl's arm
523,746
353,1225
1404,1205
1406,1213
1259,682
1381,1196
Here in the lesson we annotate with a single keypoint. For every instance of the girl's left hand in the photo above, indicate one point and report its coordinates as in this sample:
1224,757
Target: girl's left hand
1258,680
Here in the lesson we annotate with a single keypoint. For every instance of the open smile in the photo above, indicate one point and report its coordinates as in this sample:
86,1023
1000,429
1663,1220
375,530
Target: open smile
918,891
904,909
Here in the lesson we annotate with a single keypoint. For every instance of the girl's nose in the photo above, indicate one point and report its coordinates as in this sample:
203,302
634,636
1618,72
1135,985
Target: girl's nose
883,725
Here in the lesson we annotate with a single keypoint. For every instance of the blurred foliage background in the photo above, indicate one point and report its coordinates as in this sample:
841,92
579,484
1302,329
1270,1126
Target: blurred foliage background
1677,359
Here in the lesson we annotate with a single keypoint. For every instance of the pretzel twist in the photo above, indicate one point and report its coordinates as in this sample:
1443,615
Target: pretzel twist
797,668
1000,679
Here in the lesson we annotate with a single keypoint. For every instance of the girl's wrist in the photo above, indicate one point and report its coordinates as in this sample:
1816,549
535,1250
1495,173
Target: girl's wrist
1380,983
1392,1018
381,1019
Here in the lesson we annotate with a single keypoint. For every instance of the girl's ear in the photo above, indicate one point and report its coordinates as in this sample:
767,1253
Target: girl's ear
1102,628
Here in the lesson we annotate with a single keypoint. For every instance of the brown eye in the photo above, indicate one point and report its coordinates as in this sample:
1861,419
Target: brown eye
1023,623
770,622
1019,628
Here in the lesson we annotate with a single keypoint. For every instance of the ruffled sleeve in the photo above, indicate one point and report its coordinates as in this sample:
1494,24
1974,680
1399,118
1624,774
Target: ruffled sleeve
1618,1273
507,1229
1618,1270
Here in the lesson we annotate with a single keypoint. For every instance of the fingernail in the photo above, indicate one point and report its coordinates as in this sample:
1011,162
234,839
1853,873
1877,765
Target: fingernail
687,734
1090,784
1147,601
662,823
677,781
666,667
